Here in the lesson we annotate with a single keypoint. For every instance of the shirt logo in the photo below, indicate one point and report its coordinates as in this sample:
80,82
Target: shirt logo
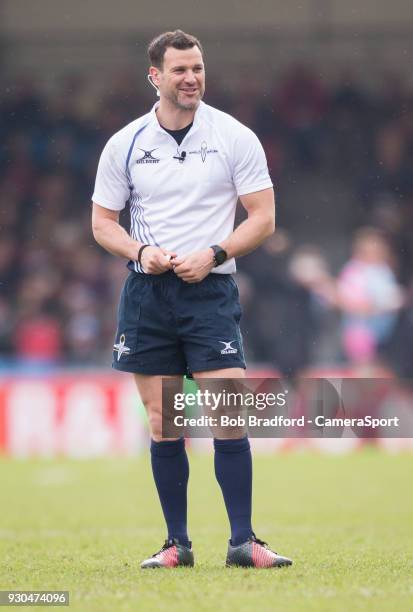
203,151
120,348
228,349
147,157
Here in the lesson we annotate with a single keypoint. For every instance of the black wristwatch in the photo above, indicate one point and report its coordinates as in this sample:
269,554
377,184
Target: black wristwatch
220,256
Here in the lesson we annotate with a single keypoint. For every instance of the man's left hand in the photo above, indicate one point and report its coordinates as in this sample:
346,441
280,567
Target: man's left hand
194,267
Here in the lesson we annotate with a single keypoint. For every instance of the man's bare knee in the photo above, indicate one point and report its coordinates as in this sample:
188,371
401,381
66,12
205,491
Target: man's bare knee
154,413
150,391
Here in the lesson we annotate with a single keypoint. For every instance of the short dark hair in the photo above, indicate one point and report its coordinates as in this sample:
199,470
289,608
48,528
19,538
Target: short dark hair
177,39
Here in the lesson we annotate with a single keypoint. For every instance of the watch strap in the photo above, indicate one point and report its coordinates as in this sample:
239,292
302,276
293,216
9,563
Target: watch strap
140,252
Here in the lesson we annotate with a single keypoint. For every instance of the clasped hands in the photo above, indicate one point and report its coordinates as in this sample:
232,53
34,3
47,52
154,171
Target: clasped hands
192,269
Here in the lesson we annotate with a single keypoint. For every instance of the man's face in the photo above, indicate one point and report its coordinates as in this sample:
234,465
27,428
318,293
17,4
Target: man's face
182,77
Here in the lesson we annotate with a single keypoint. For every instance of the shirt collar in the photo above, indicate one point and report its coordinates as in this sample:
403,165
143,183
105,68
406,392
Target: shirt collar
197,117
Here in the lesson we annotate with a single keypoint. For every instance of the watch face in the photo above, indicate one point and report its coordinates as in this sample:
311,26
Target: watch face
220,257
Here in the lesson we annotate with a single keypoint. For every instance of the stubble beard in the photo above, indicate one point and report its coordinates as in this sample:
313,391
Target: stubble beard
173,98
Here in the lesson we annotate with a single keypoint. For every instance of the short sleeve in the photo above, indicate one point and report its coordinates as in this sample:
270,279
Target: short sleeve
250,171
111,186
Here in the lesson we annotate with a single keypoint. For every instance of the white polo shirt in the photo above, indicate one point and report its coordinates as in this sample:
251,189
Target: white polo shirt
182,206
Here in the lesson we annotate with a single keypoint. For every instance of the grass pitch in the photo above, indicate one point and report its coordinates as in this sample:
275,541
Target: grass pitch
83,526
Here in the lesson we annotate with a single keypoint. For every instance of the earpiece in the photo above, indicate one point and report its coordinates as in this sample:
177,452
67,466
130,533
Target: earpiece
149,77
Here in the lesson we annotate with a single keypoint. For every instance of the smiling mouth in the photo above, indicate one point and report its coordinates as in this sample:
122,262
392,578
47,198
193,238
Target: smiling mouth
189,91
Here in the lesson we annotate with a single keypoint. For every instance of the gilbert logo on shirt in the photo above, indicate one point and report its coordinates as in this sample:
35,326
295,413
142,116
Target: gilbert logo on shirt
147,157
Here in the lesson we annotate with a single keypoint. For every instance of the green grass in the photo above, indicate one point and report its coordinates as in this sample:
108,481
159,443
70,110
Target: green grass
347,521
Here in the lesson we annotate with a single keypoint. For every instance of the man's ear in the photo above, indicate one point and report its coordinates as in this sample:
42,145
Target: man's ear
154,73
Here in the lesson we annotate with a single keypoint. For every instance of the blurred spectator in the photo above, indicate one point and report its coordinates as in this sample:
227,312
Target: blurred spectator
284,320
391,170
302,103
38,340
396,223
397,351
368,296
6,331
308,267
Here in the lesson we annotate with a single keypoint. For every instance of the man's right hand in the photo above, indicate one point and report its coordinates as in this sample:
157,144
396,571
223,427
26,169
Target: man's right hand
155,260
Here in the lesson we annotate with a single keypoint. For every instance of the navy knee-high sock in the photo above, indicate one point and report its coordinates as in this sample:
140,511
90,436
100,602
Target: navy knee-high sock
233,470
171,472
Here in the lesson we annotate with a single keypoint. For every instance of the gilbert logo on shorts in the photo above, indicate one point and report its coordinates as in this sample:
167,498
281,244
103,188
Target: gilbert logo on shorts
120,348
147,157
228,349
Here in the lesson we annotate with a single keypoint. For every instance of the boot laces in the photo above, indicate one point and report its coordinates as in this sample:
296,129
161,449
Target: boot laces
260,542
167,544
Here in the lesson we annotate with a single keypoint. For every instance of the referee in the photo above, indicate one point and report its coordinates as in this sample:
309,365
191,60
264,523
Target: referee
181,168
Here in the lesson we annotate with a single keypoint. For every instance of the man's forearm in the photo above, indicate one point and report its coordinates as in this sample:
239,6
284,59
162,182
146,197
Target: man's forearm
249,235
115,239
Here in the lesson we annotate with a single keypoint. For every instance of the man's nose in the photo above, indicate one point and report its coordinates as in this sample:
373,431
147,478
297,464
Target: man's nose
190,76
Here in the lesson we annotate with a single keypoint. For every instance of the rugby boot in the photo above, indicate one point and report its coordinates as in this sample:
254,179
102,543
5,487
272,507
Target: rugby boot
254,553
172,554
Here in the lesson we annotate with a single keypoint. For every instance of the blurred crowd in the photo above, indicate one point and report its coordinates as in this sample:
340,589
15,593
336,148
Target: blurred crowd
59,290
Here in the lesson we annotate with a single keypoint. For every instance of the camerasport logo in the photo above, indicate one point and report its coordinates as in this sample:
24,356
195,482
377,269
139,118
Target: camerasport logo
147,157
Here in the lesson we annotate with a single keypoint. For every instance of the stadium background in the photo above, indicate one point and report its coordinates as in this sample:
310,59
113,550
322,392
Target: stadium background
327,88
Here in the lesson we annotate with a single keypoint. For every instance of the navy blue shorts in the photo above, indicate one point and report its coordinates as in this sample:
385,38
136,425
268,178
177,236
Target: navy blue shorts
167,326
